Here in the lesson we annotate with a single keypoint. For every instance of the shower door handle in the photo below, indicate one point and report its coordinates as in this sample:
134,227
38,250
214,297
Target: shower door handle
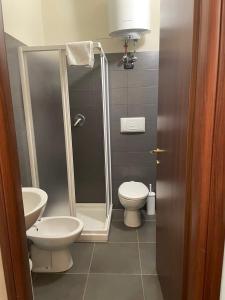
79,120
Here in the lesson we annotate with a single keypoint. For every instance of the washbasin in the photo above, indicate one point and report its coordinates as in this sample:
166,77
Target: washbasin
34,202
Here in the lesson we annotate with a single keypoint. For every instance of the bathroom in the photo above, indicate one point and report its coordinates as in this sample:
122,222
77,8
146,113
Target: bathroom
132,93
101,113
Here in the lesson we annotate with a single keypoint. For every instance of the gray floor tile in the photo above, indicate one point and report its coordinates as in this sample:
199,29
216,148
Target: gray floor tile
58,287
116,258
152,288
117,214
147,217
147,232
81,253
114,287
121,233
148,258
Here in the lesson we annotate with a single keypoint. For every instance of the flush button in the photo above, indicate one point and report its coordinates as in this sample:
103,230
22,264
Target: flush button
132,124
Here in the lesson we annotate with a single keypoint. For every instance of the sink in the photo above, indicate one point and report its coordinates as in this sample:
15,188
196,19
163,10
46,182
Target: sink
34,202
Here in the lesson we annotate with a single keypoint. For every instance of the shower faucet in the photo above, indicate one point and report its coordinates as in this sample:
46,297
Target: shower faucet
79,120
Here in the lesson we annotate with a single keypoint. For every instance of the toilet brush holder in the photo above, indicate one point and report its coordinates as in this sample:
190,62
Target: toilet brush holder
151,202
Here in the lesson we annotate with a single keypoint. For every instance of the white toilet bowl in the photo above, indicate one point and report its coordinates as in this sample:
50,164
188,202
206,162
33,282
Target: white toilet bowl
132,196
51,238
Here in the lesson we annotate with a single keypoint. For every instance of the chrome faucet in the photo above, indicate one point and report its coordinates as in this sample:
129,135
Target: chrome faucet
35,226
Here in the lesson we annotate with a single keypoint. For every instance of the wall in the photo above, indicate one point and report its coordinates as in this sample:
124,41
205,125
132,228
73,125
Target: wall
3,294
133,93
68,21
56,22
23,20
88,140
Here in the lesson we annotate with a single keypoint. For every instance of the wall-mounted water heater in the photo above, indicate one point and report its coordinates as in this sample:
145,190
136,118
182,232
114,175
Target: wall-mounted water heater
129,20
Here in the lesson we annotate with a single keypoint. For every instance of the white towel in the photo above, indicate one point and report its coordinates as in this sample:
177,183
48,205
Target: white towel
80,54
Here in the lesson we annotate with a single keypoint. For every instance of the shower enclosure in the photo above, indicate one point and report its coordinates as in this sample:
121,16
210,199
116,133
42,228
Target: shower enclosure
68,134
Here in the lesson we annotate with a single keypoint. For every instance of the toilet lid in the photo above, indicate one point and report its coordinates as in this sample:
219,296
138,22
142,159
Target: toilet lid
133,190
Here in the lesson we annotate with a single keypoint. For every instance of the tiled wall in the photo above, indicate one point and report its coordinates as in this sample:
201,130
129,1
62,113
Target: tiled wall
133,93
88,141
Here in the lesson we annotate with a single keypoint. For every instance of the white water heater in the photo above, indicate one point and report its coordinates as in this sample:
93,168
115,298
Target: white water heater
129,19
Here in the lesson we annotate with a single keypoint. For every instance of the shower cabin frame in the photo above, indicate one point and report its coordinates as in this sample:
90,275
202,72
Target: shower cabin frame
92,232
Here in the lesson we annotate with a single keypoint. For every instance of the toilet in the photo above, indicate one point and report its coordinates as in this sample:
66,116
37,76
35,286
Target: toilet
132,196
51,237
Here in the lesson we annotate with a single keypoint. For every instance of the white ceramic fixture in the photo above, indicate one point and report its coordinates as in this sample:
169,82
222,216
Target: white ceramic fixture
129,18
51,239
34,202
132,196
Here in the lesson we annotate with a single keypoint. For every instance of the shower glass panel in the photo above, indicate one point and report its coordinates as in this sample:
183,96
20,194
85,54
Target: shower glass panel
46,100
85,89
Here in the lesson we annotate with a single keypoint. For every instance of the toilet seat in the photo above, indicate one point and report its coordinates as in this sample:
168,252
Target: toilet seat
133,190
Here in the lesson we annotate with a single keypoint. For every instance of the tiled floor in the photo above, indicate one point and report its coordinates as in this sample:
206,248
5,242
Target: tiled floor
122,269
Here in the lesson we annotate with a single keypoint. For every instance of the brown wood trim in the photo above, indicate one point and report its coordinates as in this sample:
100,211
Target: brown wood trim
216,225
12,226
202,114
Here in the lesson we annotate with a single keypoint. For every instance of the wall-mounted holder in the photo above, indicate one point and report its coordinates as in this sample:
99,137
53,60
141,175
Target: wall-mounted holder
79,120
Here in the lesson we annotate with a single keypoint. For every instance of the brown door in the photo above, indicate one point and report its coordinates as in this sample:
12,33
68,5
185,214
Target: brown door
189,55
174,84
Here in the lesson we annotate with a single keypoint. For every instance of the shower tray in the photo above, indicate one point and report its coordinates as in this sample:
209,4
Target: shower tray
96,222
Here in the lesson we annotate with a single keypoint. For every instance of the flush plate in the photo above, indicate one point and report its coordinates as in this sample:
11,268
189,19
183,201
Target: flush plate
132,124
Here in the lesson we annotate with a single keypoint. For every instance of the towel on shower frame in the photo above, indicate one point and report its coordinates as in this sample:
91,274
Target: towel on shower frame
80,53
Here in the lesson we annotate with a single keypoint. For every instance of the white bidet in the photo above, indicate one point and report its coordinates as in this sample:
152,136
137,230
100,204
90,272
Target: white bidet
51,239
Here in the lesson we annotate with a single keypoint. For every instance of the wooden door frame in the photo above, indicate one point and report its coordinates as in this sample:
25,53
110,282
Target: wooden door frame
202,261
216,224
12,226
204,231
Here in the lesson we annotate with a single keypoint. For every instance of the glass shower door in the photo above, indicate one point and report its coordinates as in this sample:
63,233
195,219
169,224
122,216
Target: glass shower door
46,100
